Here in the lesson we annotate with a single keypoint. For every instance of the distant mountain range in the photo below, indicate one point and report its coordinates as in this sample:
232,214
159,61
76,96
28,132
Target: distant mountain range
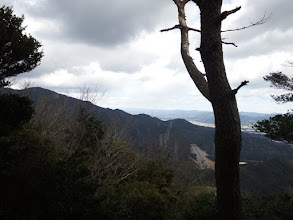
199,117
173,137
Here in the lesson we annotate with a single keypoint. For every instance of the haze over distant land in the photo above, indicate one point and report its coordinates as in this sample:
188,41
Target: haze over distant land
116,46
203,118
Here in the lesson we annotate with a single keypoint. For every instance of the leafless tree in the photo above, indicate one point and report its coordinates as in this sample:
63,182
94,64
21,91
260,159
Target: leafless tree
288,63
112,162
57,123
92,95
215,87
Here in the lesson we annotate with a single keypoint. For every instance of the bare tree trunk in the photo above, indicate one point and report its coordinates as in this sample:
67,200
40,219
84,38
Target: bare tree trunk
215,87
227,121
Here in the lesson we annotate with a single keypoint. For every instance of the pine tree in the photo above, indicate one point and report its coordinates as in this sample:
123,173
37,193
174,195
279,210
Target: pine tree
19,53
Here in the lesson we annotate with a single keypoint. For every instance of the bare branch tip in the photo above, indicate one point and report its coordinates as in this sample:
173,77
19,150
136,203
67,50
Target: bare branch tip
230,43
172,28
244,83
261,21
225,14
176,1
193,29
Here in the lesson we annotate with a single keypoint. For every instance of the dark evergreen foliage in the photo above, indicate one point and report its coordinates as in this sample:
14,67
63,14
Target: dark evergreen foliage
281,81
272,207
19,53
267,177
14,112
279,127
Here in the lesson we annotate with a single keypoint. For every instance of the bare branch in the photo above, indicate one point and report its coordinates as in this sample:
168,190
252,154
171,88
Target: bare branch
197,76
230,43
177,2
225,14
177,26
185,1
192,29
127,175
288,63
245,82
92,95
181,2
263,20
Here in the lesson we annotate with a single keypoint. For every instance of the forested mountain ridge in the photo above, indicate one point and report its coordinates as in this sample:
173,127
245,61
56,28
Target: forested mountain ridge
144,130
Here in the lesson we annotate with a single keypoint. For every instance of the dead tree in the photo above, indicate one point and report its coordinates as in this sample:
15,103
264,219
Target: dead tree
214,86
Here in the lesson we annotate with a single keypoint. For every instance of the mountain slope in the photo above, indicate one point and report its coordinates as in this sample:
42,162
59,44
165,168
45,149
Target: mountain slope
174,135
264,177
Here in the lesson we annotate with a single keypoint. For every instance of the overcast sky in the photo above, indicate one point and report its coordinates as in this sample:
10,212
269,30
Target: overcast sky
116,46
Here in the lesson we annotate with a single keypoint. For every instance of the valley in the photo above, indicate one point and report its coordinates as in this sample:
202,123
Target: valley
171,139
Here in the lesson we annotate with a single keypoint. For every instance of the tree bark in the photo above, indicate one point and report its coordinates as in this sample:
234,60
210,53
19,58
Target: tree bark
217,90
227,121
197,77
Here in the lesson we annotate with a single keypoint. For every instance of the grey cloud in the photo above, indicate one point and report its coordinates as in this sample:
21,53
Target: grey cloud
65,56
264,43
103,23
273,36
176,63
125,59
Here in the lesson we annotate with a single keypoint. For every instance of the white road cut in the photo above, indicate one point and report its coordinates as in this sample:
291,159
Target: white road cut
199,156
